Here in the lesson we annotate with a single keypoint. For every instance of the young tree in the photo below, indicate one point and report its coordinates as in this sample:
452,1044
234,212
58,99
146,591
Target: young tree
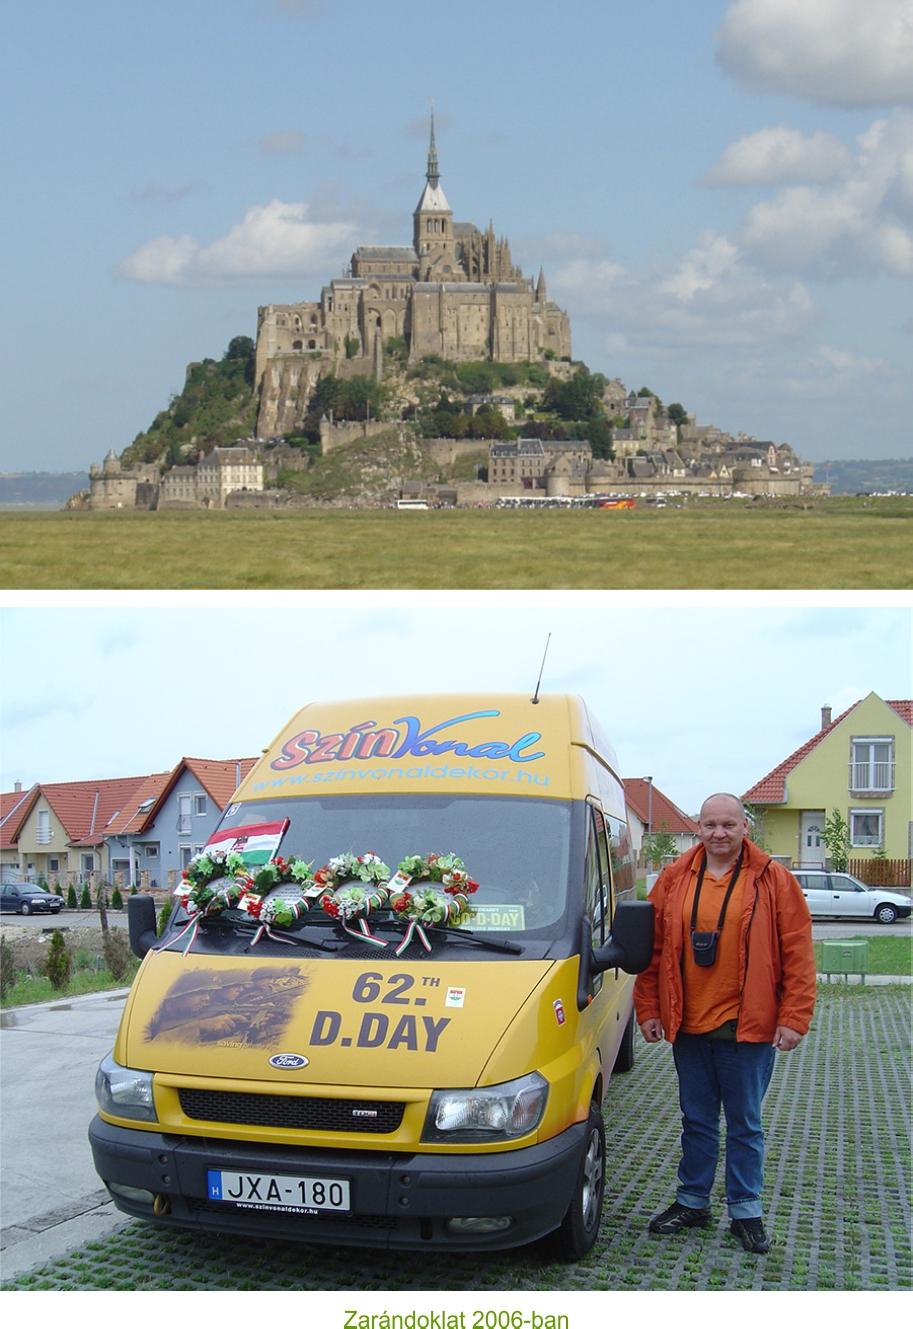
659,846
58,963
836,836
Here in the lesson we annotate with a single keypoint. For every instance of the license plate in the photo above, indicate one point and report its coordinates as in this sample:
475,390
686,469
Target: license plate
258,1190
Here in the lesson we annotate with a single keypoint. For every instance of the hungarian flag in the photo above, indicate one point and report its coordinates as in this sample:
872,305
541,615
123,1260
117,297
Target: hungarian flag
256,844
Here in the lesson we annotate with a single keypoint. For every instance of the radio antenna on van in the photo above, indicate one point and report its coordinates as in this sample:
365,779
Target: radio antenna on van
535,697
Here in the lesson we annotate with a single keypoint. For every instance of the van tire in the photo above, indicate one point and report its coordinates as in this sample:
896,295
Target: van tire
624,1061
580,1226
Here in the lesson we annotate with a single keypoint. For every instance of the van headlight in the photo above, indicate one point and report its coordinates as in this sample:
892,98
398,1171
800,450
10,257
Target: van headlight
496,1112
123,1092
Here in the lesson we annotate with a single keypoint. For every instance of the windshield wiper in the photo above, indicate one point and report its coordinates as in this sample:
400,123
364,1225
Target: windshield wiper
510,947
244,925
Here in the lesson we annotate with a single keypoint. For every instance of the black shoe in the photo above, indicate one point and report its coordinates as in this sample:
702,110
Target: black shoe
677,1217
750,1232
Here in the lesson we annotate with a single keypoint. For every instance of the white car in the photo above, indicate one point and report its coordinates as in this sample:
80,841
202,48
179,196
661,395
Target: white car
838,895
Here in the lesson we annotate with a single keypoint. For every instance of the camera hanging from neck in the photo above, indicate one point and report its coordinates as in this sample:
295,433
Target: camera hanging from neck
703,944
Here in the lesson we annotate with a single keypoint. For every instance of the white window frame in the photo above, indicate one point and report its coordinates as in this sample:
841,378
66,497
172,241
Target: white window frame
866,841
866,775
44,832
199,805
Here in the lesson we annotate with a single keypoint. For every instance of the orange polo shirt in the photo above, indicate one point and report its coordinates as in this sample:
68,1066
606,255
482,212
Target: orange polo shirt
711,993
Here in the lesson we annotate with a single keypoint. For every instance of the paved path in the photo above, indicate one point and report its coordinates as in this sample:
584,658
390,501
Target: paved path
51,1197
838,1184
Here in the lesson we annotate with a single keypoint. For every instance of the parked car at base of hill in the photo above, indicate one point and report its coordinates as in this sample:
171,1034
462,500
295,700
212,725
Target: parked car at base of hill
21,897
838,895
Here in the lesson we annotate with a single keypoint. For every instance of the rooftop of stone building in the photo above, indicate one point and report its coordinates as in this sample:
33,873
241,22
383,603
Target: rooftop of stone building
404,253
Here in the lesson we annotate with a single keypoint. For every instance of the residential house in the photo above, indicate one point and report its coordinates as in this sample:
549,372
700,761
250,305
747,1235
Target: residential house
650,810
133,855
180,819
13,807
62,833
858,764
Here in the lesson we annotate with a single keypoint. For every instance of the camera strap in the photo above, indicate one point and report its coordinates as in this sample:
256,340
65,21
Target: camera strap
697,890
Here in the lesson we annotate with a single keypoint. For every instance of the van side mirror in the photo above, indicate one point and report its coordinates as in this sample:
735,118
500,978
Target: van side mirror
630,945
141,923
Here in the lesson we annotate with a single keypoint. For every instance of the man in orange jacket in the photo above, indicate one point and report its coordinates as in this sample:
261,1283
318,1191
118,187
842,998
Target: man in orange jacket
732,979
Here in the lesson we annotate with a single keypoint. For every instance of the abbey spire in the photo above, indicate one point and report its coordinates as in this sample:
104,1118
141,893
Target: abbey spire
433,224
432,175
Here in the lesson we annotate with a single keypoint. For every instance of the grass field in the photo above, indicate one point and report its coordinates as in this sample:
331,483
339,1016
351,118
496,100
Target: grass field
836,543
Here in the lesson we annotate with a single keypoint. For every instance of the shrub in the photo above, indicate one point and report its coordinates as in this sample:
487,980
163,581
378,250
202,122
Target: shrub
116,949
71,897
164,915
58,964
117,900
85,899
7,967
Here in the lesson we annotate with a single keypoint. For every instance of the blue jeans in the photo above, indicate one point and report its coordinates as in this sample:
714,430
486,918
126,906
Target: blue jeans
714,1072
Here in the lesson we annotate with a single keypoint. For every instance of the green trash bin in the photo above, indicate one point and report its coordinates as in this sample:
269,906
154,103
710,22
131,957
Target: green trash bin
845,957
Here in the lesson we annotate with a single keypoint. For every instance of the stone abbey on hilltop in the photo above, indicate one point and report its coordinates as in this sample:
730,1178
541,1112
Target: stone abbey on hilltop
454,292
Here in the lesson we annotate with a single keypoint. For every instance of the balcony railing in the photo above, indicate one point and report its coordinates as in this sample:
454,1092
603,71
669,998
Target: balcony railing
185,824
871,777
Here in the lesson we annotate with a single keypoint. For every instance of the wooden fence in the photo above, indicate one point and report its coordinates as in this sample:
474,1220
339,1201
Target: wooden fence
881,871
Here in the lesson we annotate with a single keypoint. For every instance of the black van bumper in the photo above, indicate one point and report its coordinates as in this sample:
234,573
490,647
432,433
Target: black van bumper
404,1201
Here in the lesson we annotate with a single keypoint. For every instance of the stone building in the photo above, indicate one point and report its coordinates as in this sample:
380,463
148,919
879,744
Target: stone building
113,485
225,471
454,292
540,464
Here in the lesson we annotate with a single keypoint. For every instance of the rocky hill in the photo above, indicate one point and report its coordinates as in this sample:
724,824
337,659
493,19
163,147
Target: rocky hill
216,406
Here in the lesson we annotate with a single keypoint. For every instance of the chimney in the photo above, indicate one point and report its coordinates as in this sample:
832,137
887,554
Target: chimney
825,716
17,787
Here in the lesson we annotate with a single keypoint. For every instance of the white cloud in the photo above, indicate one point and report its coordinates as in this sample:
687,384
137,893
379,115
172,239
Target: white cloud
274,239
710,297
781,156
830,371
861,222
838,52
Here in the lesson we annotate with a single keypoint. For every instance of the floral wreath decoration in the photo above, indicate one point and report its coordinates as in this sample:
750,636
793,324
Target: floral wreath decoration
349,888
427,906
346,903
280,911
213,881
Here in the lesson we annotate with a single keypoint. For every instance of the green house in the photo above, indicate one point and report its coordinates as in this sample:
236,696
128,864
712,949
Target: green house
859,764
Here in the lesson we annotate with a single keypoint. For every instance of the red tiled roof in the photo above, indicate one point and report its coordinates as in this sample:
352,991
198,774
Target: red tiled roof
133,815
220,779
85,807
772,787
661,813
14,808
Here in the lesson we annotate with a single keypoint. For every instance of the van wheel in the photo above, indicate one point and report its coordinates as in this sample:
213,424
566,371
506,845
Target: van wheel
580,1226
625,1059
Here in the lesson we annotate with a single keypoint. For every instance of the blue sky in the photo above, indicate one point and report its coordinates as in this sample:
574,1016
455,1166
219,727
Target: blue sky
721,193
701,694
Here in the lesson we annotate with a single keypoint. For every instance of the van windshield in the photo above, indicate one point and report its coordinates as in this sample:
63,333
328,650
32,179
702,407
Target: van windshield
517,849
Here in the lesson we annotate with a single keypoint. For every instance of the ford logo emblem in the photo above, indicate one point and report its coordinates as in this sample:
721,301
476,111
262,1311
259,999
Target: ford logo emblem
288,1061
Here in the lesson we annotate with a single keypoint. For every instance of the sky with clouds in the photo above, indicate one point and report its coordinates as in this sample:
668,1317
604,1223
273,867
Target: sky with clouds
721,193
699,695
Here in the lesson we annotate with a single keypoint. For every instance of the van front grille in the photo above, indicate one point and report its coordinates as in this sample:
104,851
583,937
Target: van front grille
292,1112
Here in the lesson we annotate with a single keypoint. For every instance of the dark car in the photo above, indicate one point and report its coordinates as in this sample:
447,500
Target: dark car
21,897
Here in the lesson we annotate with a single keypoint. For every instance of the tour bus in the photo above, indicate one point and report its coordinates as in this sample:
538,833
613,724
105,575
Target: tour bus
392,991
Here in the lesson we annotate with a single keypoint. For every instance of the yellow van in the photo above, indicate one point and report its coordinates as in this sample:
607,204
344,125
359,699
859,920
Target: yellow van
388,1004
